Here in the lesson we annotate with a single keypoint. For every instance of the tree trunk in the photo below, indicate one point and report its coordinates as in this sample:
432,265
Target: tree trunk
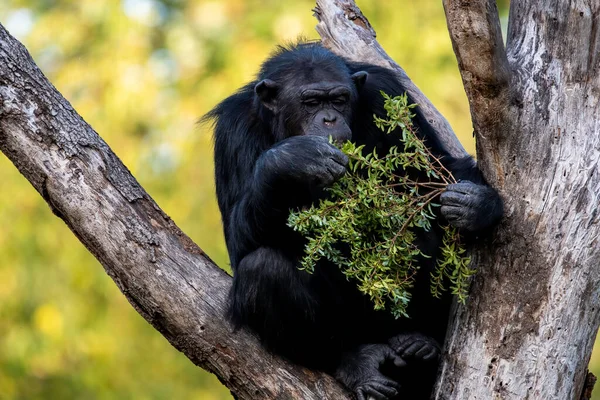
528,328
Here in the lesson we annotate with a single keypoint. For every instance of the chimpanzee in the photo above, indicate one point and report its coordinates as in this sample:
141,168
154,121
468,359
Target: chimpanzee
273,155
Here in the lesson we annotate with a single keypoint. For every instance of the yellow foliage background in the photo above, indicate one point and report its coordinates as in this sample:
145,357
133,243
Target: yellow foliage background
142,72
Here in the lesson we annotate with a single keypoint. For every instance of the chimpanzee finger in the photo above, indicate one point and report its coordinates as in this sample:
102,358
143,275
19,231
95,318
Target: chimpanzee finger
390,383
383,389
404,344
452,212
433,354
450,198
326,149
373,394
340,158
411,350
425,351
337,155
399,340
465,187
391,355
319,143
459,218
360,395
399,362
335,169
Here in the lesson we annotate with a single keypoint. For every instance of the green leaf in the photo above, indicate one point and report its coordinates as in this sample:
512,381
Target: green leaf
367,224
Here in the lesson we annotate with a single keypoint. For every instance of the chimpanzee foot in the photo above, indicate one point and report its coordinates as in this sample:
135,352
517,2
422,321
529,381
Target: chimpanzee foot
360,371
415,346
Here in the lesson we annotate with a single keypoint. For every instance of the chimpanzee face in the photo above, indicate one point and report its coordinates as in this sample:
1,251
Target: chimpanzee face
322,108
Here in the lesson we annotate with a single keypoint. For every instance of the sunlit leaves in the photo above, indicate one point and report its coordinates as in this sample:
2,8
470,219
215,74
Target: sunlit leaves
369,223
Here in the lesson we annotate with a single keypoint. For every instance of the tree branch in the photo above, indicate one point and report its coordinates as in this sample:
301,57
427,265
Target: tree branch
163,274
476,37
347,32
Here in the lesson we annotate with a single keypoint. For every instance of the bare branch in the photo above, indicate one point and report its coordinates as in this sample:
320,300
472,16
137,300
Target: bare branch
476,36
347,32
163,274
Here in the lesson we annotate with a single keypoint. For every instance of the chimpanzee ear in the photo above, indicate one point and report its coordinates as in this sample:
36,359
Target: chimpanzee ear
359,78
266,90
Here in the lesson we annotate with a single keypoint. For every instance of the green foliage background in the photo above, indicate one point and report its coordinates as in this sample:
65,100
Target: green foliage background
141,72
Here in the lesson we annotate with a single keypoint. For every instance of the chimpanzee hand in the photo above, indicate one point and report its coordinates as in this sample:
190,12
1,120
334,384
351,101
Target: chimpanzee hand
415,346
360,371
303,159
471,207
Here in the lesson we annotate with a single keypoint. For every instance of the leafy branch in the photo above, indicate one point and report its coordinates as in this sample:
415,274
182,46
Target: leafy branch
372,217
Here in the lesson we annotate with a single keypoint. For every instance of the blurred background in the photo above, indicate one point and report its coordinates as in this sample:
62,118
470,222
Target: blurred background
142,72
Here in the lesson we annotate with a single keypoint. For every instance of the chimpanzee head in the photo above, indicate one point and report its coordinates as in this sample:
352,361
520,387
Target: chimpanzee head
309,91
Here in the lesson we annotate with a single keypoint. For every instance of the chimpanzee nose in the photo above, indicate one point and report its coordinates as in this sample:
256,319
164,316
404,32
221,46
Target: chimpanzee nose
329,120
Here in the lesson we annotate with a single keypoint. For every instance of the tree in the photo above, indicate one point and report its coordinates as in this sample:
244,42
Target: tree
528,328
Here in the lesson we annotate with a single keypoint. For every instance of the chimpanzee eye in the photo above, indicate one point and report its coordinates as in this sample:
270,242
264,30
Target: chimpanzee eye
339,101
311,102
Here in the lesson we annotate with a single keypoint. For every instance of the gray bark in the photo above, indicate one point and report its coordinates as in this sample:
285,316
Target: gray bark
528,328
347,32
163,274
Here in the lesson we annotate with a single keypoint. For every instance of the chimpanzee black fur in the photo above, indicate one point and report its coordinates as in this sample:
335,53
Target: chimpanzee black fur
272,155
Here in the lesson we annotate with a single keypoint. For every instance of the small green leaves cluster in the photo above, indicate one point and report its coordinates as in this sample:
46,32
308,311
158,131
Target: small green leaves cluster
369,222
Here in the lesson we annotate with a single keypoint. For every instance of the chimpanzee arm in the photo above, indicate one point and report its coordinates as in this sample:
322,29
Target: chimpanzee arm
259,181
471,205
284,177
